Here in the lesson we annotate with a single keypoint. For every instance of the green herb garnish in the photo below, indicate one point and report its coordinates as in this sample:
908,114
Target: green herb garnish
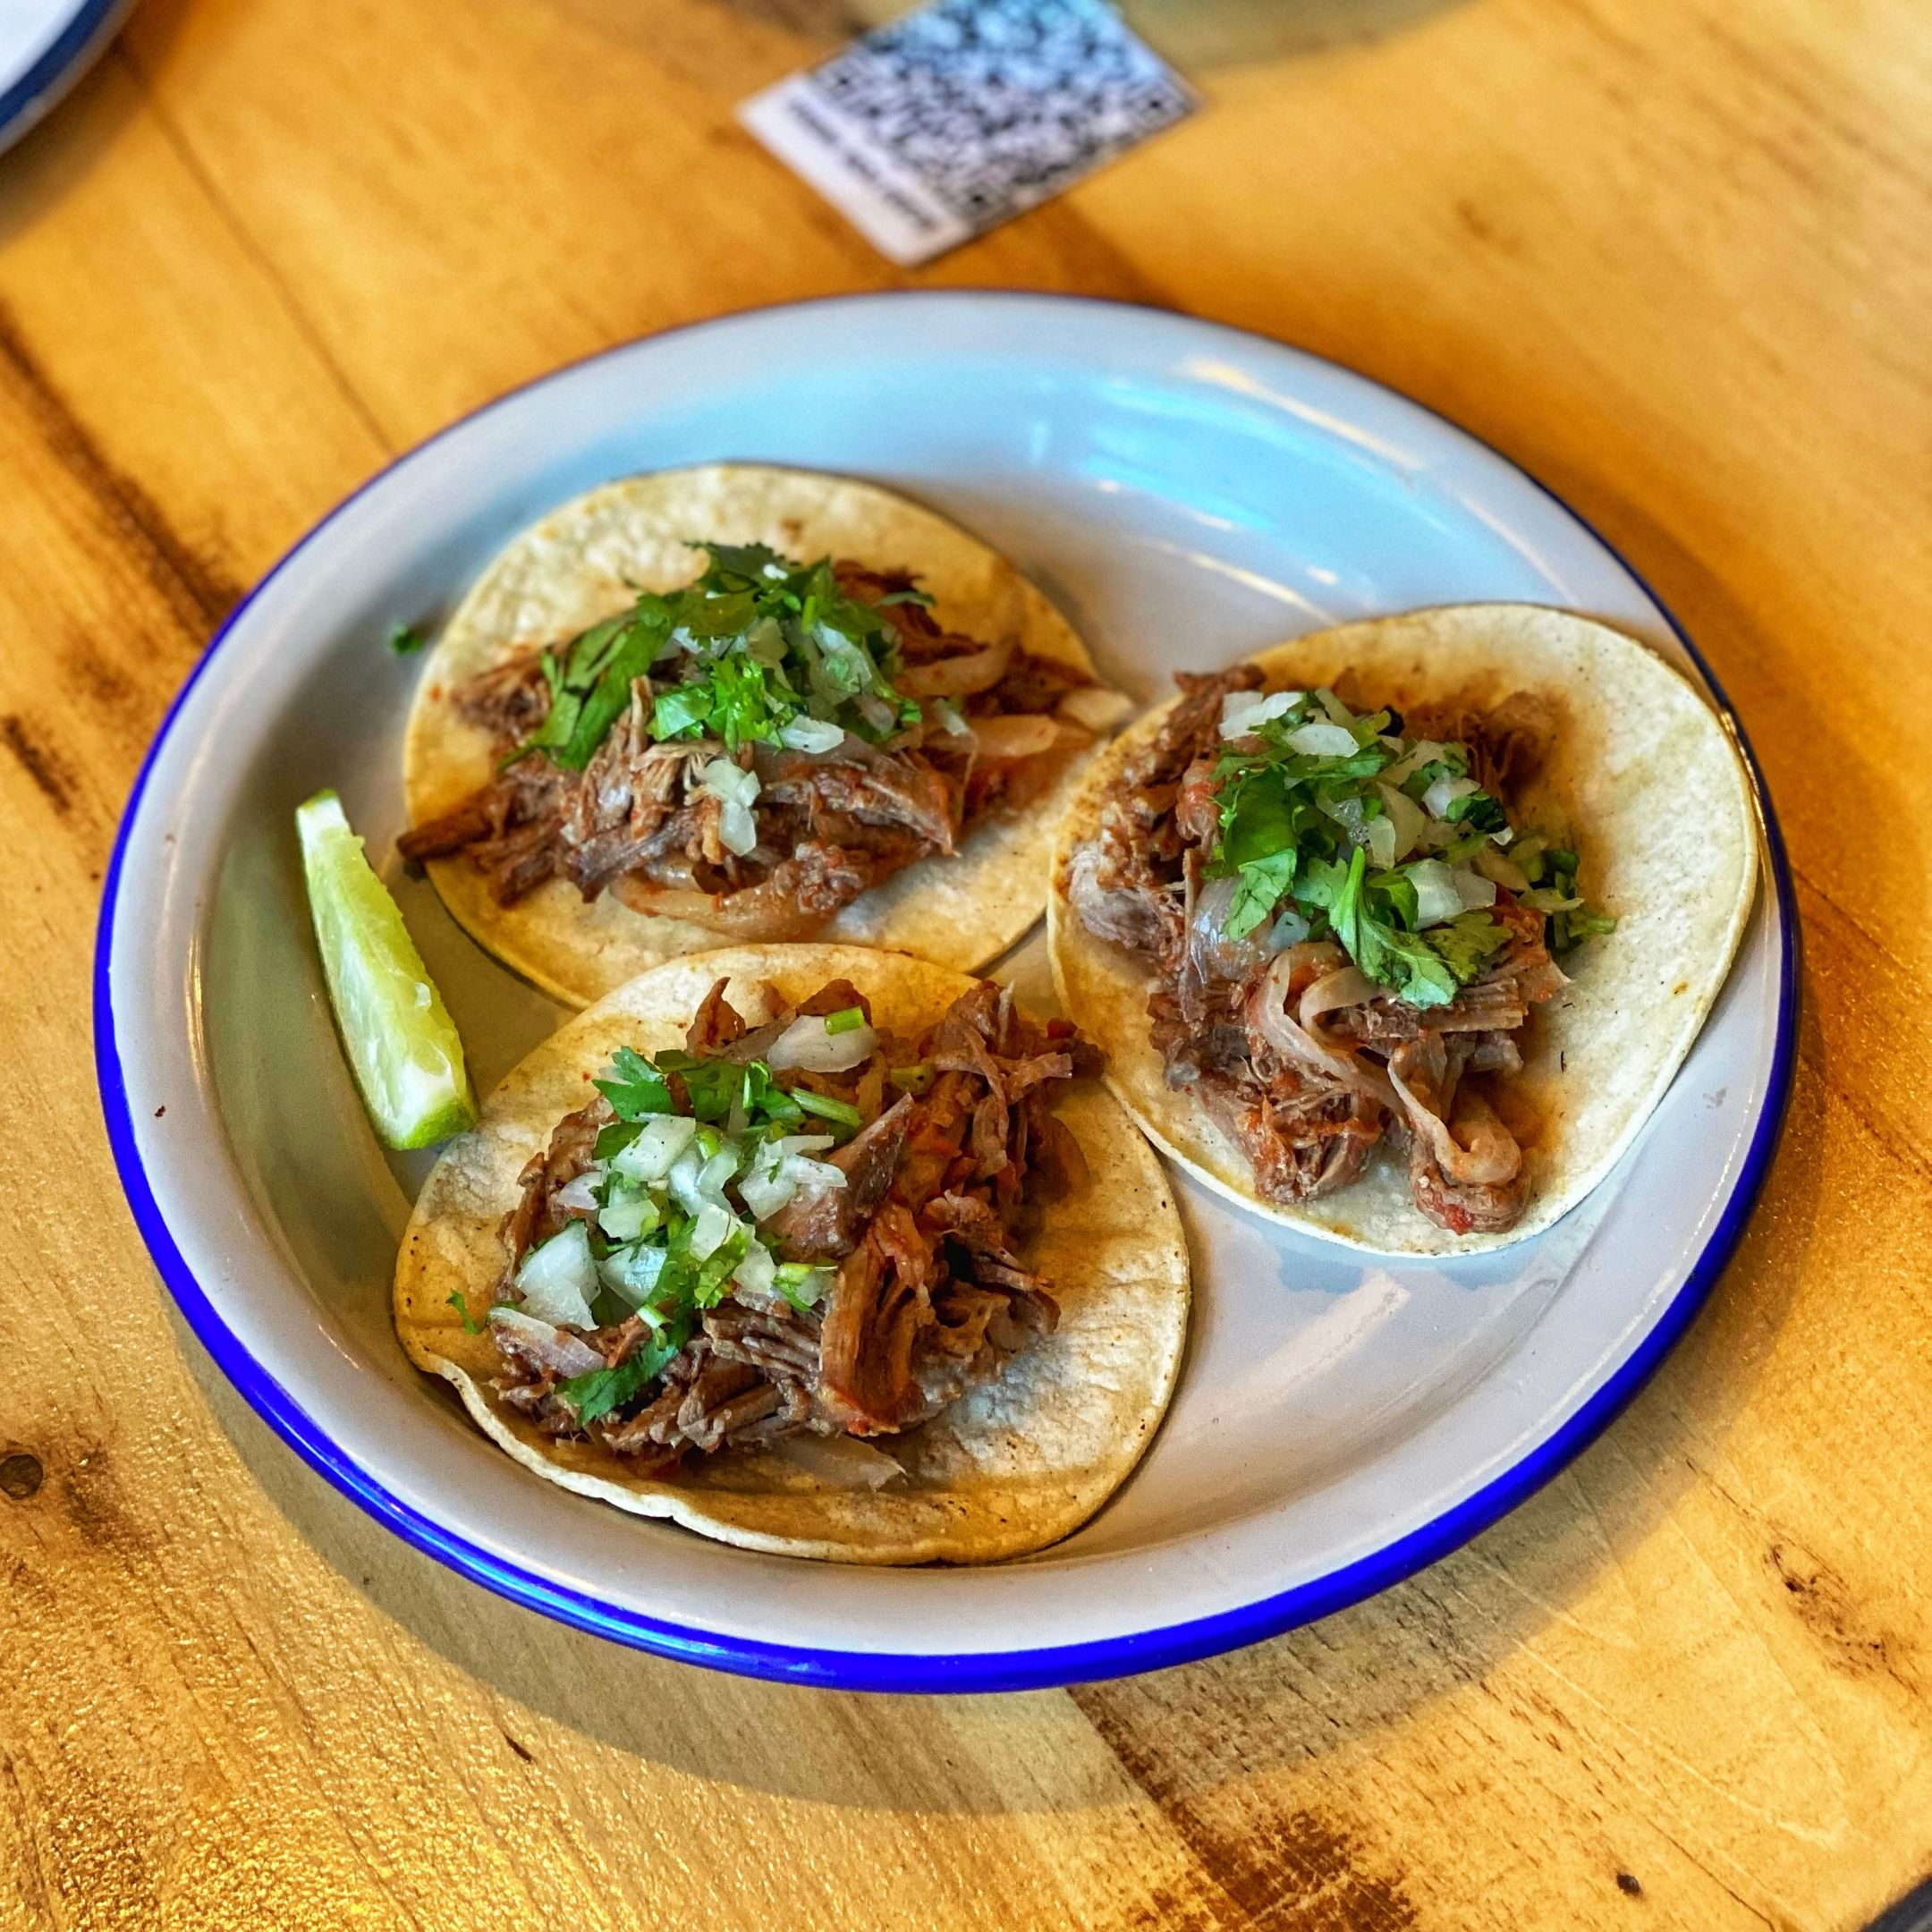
636,1090
405,639
840,1113
689,1162
591,686
757,643
599,1391
1320,830
471,1326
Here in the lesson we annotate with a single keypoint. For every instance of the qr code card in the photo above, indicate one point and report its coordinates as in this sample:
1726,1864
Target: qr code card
955,117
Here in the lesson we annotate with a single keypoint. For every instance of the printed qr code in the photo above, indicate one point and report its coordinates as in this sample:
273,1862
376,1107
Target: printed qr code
994,105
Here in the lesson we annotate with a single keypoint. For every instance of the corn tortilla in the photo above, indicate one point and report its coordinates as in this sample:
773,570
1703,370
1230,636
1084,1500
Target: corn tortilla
1015,1464
585,562
1664,817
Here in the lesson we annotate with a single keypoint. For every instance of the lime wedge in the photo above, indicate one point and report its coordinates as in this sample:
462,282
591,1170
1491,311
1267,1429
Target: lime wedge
402,1044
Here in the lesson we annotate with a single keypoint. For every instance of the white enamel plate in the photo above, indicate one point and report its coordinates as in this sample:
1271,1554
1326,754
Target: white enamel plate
1189,494
46,46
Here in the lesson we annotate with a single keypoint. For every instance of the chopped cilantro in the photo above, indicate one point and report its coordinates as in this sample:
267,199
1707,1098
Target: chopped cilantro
405,639
761,1094
1465,942
637,1090
844,1019
590,688
841,1112
714,1273
1478,810
794,1280
471,1326
681,711
1569,929
611,1141
667,1240
756,642
1263,881
715,1087
1301,827
599,1391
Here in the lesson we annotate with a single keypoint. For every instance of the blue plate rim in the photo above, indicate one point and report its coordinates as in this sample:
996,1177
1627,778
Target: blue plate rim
985,1670
66,58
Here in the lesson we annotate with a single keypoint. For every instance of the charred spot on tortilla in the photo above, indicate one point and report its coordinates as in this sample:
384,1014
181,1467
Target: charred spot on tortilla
1322,911
821,1265
811,691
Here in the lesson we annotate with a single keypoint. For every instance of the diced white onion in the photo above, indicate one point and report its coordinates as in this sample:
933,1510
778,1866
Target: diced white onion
737,830
877,713
765,1190
787,1145
555,1347
1318,739
806,1043
581,1193
626,1215
1493,865
687,1171
804,734
728,781
1436,897
813,1288
1406,816
1347,813
719,1170
1379,833
649,1157
558,1278
1095,708
1290,928
947,711
1443,793
631,1274
734,788
755,1273
713,1227
1474,891
785,1170
1246,711
814,1176
1424,751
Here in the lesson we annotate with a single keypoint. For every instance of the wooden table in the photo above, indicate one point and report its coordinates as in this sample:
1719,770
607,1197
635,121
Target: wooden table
1676,259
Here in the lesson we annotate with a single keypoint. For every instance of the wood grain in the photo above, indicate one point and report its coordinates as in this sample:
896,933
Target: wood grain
1676,260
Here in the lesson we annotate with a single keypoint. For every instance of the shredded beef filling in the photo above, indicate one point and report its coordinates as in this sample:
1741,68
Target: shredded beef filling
830,824
1308,1101
931,1293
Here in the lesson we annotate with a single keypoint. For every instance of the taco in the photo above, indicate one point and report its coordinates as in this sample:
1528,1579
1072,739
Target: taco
1397,933
751,703
842,1256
